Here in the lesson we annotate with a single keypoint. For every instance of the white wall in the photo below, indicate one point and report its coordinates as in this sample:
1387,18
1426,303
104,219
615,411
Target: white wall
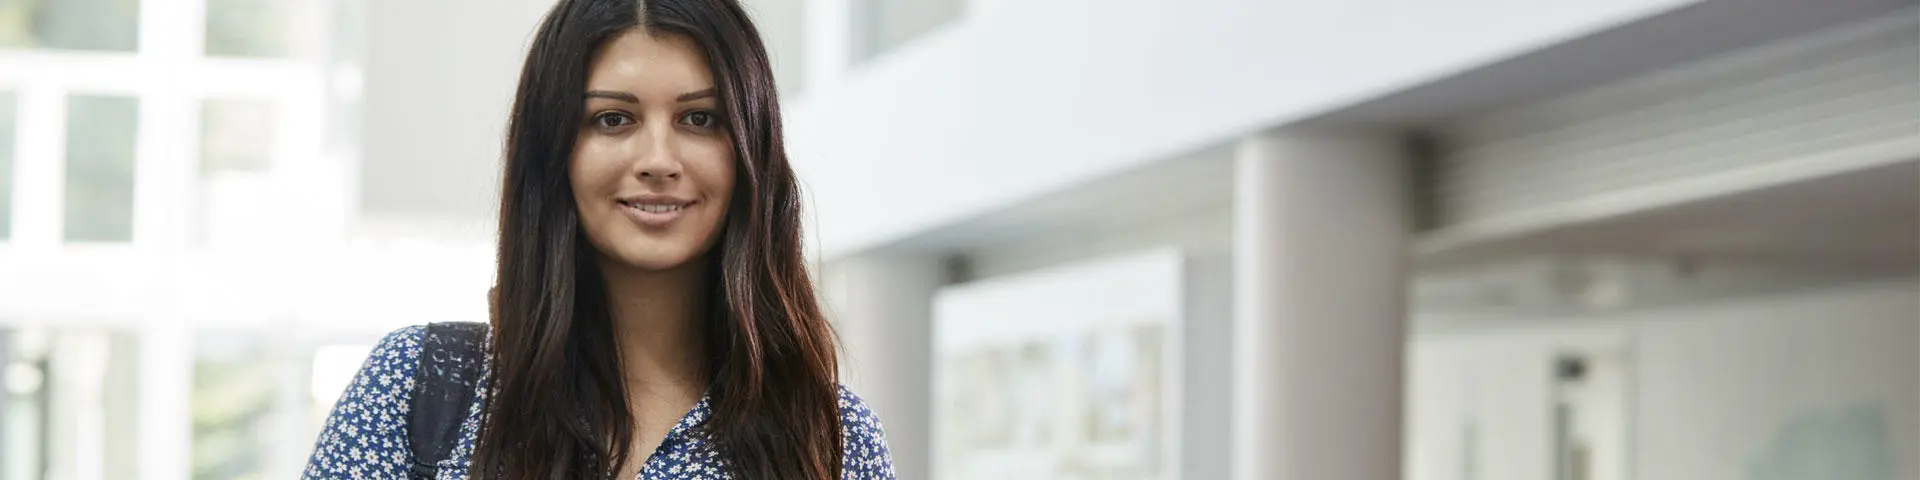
1717,384
440,76
1712,384
1016,101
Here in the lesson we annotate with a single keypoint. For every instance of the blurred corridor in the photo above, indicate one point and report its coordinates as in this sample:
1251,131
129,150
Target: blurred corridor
1369,239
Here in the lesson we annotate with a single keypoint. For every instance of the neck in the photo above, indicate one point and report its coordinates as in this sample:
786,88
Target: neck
657,317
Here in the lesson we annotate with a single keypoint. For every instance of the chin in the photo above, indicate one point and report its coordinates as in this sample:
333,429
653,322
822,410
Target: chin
656,260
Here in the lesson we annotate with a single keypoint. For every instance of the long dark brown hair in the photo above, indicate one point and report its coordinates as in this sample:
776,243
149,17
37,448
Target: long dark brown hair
557,404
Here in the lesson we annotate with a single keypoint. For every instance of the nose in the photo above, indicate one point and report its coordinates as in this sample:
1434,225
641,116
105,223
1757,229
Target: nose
659,159
659,171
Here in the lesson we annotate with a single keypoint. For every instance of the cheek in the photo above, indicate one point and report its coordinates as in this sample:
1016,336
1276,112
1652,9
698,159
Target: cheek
591,168
594,177
716,165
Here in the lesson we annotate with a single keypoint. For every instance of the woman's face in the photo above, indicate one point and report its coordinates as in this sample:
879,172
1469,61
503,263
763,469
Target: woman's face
652,168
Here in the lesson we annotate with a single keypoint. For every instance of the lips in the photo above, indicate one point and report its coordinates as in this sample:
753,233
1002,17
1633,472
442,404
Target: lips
654,211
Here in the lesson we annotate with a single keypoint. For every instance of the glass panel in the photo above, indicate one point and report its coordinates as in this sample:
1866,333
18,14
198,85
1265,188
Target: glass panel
346,53
70,24
346,32
99,194
262,28
66,391
250,401
7,134
23,404
236,135
888,24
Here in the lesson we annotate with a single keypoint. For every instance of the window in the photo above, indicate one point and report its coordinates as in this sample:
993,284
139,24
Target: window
68,390
232,398
99,193
70,24
93,128
236,159
262,28
250,402
6,163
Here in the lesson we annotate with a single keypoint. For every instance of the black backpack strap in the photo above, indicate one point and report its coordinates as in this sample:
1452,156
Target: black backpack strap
443,390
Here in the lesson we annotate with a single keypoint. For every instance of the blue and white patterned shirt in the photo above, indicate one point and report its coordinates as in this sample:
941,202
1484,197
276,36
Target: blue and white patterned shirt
366,436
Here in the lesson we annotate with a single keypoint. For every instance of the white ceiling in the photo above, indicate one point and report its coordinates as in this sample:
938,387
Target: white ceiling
1865,217
1689,34
1852,226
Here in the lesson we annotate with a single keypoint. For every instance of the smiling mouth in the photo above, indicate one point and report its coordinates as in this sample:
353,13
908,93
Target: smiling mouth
655,211
656,207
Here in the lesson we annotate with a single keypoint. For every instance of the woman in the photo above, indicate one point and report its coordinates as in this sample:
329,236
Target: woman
653,315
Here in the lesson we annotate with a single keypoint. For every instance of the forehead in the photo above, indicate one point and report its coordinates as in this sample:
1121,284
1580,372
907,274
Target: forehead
636,59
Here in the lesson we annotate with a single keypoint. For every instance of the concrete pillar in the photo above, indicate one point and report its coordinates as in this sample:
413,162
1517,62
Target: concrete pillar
882,307
1320,233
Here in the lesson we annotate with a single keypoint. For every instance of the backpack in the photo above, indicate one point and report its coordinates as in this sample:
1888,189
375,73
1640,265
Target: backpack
443,391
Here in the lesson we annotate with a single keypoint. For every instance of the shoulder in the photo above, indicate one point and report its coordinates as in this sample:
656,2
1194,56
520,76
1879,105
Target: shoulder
387,377
854,412
393,366
381,389
397,353
387,374
865,453
402,342
365,435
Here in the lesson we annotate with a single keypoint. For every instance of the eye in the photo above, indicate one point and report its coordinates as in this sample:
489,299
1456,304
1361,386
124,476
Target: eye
699,119
612,120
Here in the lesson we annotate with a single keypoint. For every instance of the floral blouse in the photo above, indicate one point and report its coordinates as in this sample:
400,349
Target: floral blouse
366,435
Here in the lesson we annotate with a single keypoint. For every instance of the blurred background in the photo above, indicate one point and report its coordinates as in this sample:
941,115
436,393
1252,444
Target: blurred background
1366,239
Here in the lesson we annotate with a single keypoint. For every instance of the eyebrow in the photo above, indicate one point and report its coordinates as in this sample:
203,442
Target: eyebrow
621,96
695,95
630,98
